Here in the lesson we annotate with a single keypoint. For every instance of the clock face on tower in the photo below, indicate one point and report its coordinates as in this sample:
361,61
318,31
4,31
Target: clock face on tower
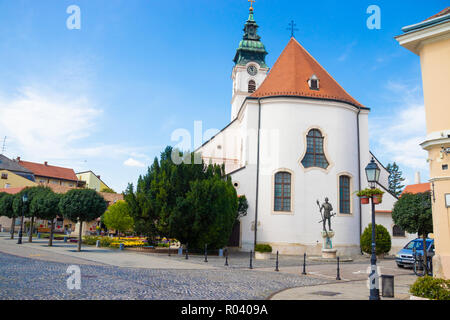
252,70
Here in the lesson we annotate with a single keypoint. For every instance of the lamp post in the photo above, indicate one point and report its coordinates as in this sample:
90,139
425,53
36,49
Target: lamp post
24,201
373,175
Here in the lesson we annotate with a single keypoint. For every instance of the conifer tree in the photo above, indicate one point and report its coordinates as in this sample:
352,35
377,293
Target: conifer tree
395,179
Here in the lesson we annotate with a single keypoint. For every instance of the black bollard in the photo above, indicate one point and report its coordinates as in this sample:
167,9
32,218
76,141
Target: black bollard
169,249
304,264
338,276
251,256
276,266
226,257
206,253
187,257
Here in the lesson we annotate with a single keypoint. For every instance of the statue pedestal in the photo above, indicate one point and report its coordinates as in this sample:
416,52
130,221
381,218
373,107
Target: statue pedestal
327,247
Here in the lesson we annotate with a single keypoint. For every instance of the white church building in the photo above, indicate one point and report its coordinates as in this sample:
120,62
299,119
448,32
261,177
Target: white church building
295,137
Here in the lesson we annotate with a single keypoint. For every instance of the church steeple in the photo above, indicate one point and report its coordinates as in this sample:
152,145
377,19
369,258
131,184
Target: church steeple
251,49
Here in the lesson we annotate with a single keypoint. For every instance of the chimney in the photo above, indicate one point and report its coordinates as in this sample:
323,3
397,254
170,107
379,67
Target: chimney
46,163
98,177
18,159
417,178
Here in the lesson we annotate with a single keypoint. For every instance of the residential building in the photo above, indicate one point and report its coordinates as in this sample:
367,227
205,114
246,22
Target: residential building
430,40
92,180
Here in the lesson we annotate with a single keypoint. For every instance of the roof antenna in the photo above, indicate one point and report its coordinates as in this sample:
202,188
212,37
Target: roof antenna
4,145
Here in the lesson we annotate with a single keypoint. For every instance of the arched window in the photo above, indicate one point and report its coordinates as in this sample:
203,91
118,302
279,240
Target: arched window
344,194
282,191
251,86
398,232
315,156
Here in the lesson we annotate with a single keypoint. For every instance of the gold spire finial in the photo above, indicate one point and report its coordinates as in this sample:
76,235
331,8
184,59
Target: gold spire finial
251,4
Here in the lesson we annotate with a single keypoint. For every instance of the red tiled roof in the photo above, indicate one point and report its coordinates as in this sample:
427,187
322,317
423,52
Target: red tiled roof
12,190
291,72
442,13
45,170
417,188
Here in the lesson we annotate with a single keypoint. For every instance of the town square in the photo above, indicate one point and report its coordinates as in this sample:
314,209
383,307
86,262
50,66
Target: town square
129,171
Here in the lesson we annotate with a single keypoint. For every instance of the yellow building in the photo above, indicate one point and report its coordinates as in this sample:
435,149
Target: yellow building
9,179
430,39
92,180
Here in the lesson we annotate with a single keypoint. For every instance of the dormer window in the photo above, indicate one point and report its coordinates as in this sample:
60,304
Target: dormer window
251,86
313,82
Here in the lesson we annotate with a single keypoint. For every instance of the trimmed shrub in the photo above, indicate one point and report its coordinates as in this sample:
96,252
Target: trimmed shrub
431,288
382,239
263,248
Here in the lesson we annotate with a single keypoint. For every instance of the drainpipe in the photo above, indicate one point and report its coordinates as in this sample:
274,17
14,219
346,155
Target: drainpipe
359,175
257,172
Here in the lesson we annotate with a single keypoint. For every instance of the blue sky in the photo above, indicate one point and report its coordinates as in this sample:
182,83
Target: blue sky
107,97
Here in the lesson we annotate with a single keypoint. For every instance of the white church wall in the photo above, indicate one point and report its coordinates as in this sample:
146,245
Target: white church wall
285,123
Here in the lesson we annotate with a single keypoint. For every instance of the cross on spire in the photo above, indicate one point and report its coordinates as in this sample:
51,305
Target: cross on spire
251,4
292,28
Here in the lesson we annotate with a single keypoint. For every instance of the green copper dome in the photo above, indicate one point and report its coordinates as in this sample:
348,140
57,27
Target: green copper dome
251,48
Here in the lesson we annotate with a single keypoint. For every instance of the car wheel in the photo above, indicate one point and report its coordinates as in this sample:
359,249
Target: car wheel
400,266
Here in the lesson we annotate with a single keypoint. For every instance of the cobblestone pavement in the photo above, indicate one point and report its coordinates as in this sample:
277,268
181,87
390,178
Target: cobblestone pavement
26,278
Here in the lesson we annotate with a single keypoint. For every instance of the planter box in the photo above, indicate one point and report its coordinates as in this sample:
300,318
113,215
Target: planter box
364,200
377,199
262,255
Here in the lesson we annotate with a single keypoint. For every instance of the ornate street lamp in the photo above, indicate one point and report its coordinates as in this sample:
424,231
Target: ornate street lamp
373,174
24,201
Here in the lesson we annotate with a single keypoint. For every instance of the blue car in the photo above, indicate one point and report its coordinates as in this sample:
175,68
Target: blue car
405,258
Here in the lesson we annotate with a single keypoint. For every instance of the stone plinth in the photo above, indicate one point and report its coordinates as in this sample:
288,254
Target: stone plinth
329,253
327,247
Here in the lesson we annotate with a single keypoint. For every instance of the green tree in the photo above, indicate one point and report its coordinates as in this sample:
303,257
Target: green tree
118,217
382,240
412,213
207,214
107,190
20,207
82,205
6,209
164,204
45,205
395,179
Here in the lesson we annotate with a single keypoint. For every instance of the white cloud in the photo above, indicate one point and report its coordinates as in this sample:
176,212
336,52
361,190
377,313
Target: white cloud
398,135
133,163
46,123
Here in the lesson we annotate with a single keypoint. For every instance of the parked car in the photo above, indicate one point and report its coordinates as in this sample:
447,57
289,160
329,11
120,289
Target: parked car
405,258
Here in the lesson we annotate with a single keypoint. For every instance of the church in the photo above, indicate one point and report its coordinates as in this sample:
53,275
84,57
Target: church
296,137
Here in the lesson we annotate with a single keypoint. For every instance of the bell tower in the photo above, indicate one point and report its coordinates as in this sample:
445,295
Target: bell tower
250,68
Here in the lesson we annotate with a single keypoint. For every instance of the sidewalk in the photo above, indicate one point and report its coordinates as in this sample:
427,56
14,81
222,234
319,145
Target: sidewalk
39,249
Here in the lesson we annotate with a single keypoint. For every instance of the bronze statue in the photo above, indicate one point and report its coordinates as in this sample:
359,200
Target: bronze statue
327,208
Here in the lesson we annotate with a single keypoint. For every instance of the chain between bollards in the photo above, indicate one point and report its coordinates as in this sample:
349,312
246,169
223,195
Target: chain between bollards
206,253
338,276
276,266
251,256
304,264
